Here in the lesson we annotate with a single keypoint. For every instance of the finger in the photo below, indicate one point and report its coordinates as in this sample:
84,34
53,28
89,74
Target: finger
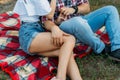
62,10
65,34
58,41
61,18
66,12
60,15
65,17
61,41
54,41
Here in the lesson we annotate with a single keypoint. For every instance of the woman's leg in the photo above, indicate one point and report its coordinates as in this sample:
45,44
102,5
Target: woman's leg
64,56
42,43
72,69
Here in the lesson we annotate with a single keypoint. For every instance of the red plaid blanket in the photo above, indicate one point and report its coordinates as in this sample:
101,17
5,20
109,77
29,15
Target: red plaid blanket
21,66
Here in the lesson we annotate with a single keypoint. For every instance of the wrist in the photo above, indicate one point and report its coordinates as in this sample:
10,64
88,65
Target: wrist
56,22
54,27
76,9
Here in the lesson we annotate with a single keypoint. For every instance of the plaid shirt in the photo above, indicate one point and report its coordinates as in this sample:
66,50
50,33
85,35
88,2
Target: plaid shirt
65,3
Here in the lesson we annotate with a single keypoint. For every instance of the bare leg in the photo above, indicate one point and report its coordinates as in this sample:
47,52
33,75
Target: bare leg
42,43
72,70
65,53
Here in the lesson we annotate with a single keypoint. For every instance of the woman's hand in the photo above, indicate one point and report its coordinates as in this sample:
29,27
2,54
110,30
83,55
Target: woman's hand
57,36
67,11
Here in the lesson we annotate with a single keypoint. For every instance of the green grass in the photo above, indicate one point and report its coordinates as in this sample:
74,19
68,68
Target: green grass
98,67
95,4
4,76
92,67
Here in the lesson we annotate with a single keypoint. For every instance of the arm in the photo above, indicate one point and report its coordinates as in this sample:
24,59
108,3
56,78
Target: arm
57,34
84,8
49,25
53,6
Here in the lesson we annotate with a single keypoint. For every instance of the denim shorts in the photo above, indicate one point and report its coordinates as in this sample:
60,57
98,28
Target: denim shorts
27,33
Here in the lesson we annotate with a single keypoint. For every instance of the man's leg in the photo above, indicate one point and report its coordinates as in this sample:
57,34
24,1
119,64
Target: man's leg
107,16
83,33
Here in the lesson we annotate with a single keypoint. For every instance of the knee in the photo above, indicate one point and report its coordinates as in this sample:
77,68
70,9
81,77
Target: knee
70,39
79,20
111,9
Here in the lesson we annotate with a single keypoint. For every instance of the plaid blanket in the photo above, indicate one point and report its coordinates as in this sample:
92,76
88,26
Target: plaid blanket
21,66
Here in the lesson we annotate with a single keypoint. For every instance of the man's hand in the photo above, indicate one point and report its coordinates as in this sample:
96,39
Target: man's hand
60,18
64,12
67,11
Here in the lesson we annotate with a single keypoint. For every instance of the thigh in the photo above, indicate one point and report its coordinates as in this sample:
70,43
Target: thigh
27,33
42,43
70,25
97,18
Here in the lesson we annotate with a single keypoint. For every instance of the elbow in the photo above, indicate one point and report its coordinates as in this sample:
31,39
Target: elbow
88,9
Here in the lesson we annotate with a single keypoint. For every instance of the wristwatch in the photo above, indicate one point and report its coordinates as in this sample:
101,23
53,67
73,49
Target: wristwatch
76,9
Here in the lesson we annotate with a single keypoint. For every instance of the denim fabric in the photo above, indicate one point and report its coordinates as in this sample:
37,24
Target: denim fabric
27,33
83,28
109,17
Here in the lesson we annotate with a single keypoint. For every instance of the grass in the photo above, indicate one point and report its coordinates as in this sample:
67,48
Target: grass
92,67
98,67
100,3
4,76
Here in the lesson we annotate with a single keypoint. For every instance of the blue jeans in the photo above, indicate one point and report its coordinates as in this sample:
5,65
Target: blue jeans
83,28
27,33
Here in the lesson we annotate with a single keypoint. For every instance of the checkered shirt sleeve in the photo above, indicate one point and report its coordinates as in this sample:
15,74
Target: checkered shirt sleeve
60,4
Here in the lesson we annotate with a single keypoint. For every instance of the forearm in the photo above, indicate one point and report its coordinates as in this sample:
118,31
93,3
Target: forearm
53,7
84,8
49,25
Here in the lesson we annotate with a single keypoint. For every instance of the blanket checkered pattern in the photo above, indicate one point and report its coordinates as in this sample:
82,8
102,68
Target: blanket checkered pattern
21,66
